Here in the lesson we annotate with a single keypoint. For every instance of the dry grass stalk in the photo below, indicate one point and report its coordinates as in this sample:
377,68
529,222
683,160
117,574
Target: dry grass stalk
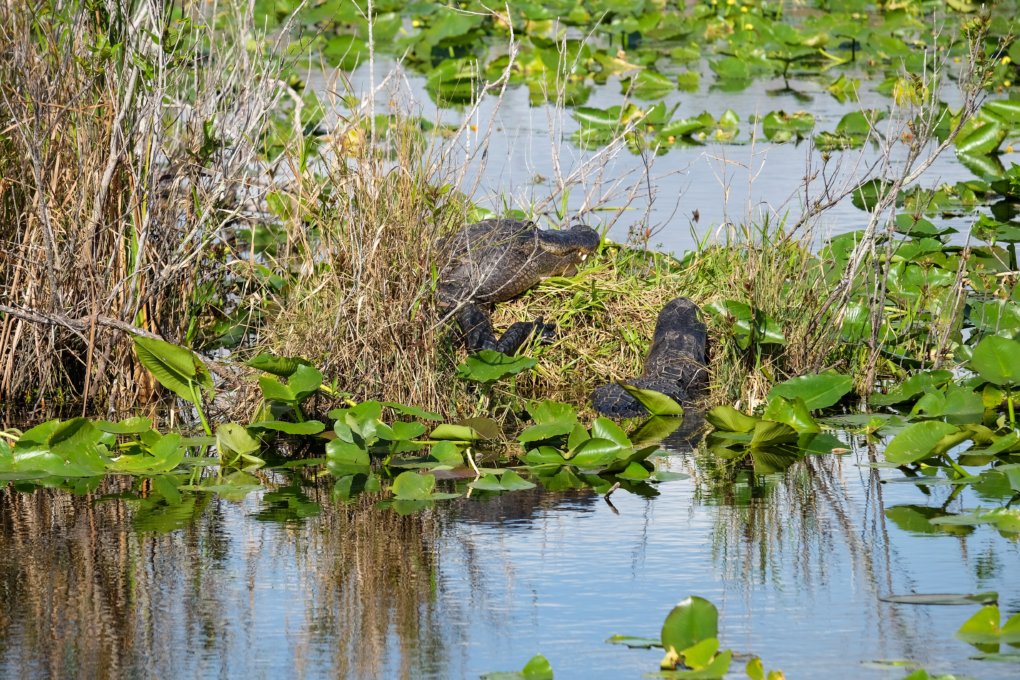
127,145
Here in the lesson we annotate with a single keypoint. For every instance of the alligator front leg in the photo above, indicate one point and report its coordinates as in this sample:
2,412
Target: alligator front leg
476,325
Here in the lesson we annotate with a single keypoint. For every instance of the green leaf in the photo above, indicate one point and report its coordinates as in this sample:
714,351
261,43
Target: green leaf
413,486
537,668
412,411
281,366
983,139
232,438
511,481
135,425
175,368
305,381
729,419
767,433
596,453
818,391
997,360
635,472
461,433
75,432
693,620
544,455
604,428
487,366
792,412
657,403
700,655
308,427
342,453
917,441
982,627
943,598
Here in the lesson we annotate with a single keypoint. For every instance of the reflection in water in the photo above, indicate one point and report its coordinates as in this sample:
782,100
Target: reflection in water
289,583
85,595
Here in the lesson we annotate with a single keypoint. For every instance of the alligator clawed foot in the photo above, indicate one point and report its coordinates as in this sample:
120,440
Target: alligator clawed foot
545,333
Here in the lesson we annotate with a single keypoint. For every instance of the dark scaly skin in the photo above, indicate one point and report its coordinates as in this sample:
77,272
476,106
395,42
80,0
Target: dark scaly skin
496,260
675,364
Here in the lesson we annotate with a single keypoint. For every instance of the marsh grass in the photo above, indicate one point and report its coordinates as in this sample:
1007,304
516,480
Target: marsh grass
128,139
606,314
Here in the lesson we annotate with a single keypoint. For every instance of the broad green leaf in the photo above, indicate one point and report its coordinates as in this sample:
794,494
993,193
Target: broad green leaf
635,472
943,598
983,139
982,627
657,403
537,668
346,453
274,390
413,486
549,411
792,412
997,360
412,411
461,433
604,428
544,455
305,381
700,654
175,368
447,453
818,391
308,427
729,419
135,425
693,620
767,433
487,483
511,481
281,366
596,453
487,366
74,432
234,438
917,441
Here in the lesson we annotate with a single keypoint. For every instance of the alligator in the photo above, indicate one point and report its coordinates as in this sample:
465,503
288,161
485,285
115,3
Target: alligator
498,259
675,364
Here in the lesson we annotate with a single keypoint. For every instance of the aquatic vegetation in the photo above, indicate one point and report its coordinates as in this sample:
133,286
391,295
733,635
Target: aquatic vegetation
690,636
537,668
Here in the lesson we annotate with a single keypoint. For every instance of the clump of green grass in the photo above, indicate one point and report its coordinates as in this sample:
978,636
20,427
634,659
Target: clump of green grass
606,315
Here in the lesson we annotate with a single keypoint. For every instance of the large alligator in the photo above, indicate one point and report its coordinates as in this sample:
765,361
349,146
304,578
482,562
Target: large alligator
675,364
498,259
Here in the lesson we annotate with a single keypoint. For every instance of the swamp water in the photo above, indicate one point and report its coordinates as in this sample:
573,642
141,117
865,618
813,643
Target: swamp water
286,583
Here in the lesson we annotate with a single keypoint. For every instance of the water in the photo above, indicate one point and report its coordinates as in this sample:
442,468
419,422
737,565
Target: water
529,151
796,564
286,583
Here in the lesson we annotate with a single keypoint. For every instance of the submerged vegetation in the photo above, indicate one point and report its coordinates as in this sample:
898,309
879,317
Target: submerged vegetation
183,217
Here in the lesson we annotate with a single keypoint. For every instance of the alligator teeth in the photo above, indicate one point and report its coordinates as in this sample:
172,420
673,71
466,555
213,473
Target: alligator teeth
584,257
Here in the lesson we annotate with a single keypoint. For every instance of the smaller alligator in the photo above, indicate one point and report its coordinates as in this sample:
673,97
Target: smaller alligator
675,364
495,260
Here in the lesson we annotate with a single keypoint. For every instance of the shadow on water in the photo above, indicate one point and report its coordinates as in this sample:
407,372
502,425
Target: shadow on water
290,583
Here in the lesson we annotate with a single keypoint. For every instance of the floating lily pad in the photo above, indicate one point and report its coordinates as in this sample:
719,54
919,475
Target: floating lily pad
943,598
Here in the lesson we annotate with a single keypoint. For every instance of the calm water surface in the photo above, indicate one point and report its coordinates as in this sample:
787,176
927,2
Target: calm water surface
528,149
288,584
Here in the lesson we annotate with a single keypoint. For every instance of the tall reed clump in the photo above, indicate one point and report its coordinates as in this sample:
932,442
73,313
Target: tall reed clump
361,224
128,139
